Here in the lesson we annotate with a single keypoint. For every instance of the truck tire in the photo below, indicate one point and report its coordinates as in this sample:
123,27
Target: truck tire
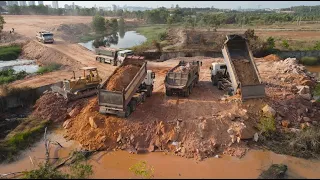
190,89
101,60
214,80
128,111
143,98
112,62
168,92
197,80
133,105
220,85
187,93
97,59
149,91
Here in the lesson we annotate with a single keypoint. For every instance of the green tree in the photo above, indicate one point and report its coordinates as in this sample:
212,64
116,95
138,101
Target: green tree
2,22
270,43
121,27
285,44
98,24
114,24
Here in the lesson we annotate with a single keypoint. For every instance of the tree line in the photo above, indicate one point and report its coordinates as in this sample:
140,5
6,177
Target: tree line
187,16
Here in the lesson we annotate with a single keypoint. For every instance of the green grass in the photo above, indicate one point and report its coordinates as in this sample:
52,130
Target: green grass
310,61
89,37
27,133
48,68
267,125
8,53
141,169
9,75
154,33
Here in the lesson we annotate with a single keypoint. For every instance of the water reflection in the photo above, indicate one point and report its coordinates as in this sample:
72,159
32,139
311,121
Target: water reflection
121,39
18,65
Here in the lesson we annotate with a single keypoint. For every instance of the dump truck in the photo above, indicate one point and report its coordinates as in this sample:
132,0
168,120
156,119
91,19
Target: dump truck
243,77
111,55
182,78
123,102
45,36
76,88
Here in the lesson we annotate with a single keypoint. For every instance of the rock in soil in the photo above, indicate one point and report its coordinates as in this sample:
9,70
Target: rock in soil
275,171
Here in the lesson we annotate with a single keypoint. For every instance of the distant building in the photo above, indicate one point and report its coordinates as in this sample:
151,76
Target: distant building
32,3
3,3
40,2
114,7
22,3
55,5
11,3
66,6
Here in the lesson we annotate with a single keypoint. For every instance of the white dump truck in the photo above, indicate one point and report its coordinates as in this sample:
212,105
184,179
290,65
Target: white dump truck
45,36
112,56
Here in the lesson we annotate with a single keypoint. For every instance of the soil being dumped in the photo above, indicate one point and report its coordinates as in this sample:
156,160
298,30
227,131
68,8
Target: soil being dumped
245,72
272,57
122,78
51,106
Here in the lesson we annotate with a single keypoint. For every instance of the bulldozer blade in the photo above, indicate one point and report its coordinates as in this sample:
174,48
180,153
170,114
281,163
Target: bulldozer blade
60,91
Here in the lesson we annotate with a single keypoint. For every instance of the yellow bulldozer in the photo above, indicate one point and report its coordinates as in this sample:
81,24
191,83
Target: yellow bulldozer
76,88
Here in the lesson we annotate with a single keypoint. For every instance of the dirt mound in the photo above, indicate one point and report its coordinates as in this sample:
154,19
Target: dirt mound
51,107
45,55
121,79
71,32
245,72
272,57
94,138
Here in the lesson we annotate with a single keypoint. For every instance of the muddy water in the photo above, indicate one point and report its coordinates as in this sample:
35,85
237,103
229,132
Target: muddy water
117,164
314,69
18,65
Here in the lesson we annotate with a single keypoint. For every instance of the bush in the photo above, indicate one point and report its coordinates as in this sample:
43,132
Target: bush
309,61
9,75
98,24
270,43
285,44
163,36
141,169
48,68
267,125
317,90
8,53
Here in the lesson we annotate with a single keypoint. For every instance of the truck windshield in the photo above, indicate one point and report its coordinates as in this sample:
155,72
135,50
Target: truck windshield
48,36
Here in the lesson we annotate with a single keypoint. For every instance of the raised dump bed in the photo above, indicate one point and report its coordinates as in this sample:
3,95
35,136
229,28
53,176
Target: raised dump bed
129,85
242,69
182,78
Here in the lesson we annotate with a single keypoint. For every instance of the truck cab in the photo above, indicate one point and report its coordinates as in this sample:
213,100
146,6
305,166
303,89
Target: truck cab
45,37
123,54
218,71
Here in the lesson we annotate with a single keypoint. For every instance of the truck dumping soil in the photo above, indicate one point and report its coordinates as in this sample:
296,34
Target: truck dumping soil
245,72
122,78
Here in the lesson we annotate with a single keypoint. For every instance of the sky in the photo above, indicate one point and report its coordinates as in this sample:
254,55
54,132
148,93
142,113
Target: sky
216,4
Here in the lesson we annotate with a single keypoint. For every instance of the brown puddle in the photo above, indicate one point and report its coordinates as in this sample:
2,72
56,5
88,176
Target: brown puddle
117,164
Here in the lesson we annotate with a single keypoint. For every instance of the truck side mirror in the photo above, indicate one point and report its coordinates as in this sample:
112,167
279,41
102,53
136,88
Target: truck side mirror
153,75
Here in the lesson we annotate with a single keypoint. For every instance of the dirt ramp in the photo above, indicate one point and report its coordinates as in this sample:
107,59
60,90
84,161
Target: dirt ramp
46,55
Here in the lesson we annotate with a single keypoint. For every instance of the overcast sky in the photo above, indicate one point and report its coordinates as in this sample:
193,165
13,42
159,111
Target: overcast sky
216,4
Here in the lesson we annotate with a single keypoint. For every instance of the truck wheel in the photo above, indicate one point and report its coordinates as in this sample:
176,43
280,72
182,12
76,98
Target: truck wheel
133,105
190,89
214,80
187,93
97,59
143,98
111,62
128,111
197,80
101,60
220,85
168,92
149,91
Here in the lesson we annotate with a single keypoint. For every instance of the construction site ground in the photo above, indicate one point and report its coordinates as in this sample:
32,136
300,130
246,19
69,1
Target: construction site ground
192,127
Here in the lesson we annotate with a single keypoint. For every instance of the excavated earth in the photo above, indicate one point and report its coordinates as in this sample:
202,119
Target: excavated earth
197,126
121,79
245,72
